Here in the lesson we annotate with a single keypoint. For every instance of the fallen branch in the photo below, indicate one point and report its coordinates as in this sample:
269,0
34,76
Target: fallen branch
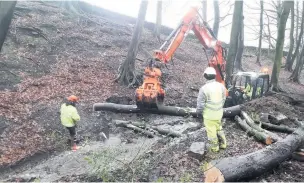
127,124
299,123
166,132
138,125
252,124
169,110
254,164
283,129
259,136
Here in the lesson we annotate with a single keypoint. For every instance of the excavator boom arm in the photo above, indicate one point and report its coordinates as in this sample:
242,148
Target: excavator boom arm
151,93
191,21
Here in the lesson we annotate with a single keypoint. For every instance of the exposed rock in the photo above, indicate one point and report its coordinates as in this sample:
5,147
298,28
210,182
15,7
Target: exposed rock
197,150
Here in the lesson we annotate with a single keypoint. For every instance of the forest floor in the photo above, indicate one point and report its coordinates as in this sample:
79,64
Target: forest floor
45,60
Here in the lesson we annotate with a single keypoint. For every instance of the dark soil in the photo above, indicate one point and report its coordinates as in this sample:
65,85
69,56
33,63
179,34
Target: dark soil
81,56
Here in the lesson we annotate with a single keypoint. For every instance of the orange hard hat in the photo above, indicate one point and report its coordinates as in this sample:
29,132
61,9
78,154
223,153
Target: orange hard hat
73,98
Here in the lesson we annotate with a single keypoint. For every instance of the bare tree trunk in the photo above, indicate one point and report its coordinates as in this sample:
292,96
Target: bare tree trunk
297,21
291,45
127,74
299,65
233,45
290,64
261,33
216,23
239,55
269,39
158,20
279,12
279,46
204,9
6,15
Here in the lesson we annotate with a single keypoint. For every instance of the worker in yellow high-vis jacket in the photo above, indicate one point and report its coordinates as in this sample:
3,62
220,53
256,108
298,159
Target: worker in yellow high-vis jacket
69,118
210,102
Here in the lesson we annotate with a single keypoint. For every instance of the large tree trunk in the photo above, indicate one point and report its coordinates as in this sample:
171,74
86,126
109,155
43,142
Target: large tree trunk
254,164
216,23
239,55
279,12
233,45
158,23
6,15
279,46
291,45
299,65
261,33
299,39
297,21
169,110
127,74
204,9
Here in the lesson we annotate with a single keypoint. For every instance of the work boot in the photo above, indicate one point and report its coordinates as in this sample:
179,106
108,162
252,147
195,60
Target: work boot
223,146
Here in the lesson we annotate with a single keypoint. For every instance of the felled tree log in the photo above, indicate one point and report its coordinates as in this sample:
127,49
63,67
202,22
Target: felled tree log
254,164
169,110
138,127
259,136
252,124
299,123
167,132
283,129
127,124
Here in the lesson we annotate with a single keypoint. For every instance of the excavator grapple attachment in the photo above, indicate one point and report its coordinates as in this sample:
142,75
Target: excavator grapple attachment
150,94
149,99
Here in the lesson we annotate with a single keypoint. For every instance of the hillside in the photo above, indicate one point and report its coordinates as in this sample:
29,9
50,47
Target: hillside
50,54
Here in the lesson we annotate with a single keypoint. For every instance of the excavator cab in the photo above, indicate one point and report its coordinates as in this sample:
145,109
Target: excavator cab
247,86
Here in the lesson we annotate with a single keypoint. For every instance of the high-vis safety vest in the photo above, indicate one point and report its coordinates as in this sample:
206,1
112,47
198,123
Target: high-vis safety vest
248,90
215,98
68,115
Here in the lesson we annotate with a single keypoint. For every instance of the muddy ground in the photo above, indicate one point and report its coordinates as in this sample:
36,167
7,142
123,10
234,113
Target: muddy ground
47,59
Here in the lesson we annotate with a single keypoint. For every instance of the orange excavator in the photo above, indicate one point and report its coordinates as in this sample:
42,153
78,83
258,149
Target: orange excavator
151,94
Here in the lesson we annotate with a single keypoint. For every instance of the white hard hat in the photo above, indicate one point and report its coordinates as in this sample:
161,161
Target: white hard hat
210,70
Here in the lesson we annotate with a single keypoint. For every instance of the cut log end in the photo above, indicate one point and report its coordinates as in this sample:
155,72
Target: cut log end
268,141
213,174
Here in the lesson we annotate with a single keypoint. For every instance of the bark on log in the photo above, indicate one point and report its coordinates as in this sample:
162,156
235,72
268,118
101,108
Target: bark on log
252,124
283,129
169,133
138,127
259,136
169,110
254,164
127,124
